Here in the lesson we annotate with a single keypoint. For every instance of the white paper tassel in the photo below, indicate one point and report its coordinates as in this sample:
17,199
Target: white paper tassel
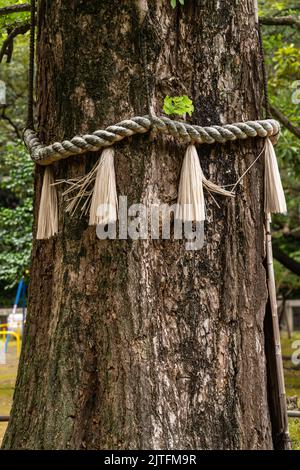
190,200
274,195
104,202
48,212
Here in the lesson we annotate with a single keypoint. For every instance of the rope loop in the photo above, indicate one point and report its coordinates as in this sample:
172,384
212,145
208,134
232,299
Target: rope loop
47,154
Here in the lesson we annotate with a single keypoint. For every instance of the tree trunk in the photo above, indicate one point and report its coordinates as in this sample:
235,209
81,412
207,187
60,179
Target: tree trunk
142,344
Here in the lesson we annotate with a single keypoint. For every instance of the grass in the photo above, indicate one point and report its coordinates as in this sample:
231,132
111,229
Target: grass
292,382
294,427
8,374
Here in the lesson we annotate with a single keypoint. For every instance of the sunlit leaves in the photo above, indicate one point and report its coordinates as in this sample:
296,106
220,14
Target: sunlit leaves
13,19
179,105
174,3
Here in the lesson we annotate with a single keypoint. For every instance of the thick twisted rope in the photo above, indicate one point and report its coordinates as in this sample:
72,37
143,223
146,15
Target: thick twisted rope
47,154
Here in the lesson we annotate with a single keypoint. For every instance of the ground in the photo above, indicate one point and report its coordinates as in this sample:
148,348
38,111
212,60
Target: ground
8,374
292,380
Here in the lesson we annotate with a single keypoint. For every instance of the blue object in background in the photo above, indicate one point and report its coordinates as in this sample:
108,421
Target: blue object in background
21,292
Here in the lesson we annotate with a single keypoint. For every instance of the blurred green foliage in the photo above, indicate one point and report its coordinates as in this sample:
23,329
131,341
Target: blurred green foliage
16,168
16,220
282,56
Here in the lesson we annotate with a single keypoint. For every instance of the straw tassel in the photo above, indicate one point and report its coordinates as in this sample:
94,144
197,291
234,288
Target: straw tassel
48,212
190,200
104,203
274,195
98,190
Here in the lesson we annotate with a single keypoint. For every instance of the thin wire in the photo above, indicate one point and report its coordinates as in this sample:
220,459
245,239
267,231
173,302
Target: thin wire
248,169
30,119
234,185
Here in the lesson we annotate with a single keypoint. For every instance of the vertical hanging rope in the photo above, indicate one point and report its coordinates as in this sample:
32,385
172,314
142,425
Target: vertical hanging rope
30,120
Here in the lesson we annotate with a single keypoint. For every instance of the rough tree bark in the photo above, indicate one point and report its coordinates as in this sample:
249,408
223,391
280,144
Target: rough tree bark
141,344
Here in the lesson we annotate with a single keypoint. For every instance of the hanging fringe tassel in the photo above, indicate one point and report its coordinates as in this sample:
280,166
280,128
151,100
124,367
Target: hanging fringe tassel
104,202
190,200
99,189
48,212
274,195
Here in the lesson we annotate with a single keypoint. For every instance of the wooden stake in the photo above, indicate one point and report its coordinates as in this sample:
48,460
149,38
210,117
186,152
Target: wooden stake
282,432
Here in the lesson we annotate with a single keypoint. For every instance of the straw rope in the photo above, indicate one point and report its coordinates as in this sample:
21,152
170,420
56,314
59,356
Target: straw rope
47,154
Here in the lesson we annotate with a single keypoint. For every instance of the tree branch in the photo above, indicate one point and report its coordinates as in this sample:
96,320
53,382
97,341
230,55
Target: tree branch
280,21
285,121
14,9
296,7
286,260
22,29
9,51
12,124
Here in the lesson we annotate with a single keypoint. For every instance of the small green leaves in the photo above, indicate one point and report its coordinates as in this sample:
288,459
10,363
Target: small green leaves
174,3
179,105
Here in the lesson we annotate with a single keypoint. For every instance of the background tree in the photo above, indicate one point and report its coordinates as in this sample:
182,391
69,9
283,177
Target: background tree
127,342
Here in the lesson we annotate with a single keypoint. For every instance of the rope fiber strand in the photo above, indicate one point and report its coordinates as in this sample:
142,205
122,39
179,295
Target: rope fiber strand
47,154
